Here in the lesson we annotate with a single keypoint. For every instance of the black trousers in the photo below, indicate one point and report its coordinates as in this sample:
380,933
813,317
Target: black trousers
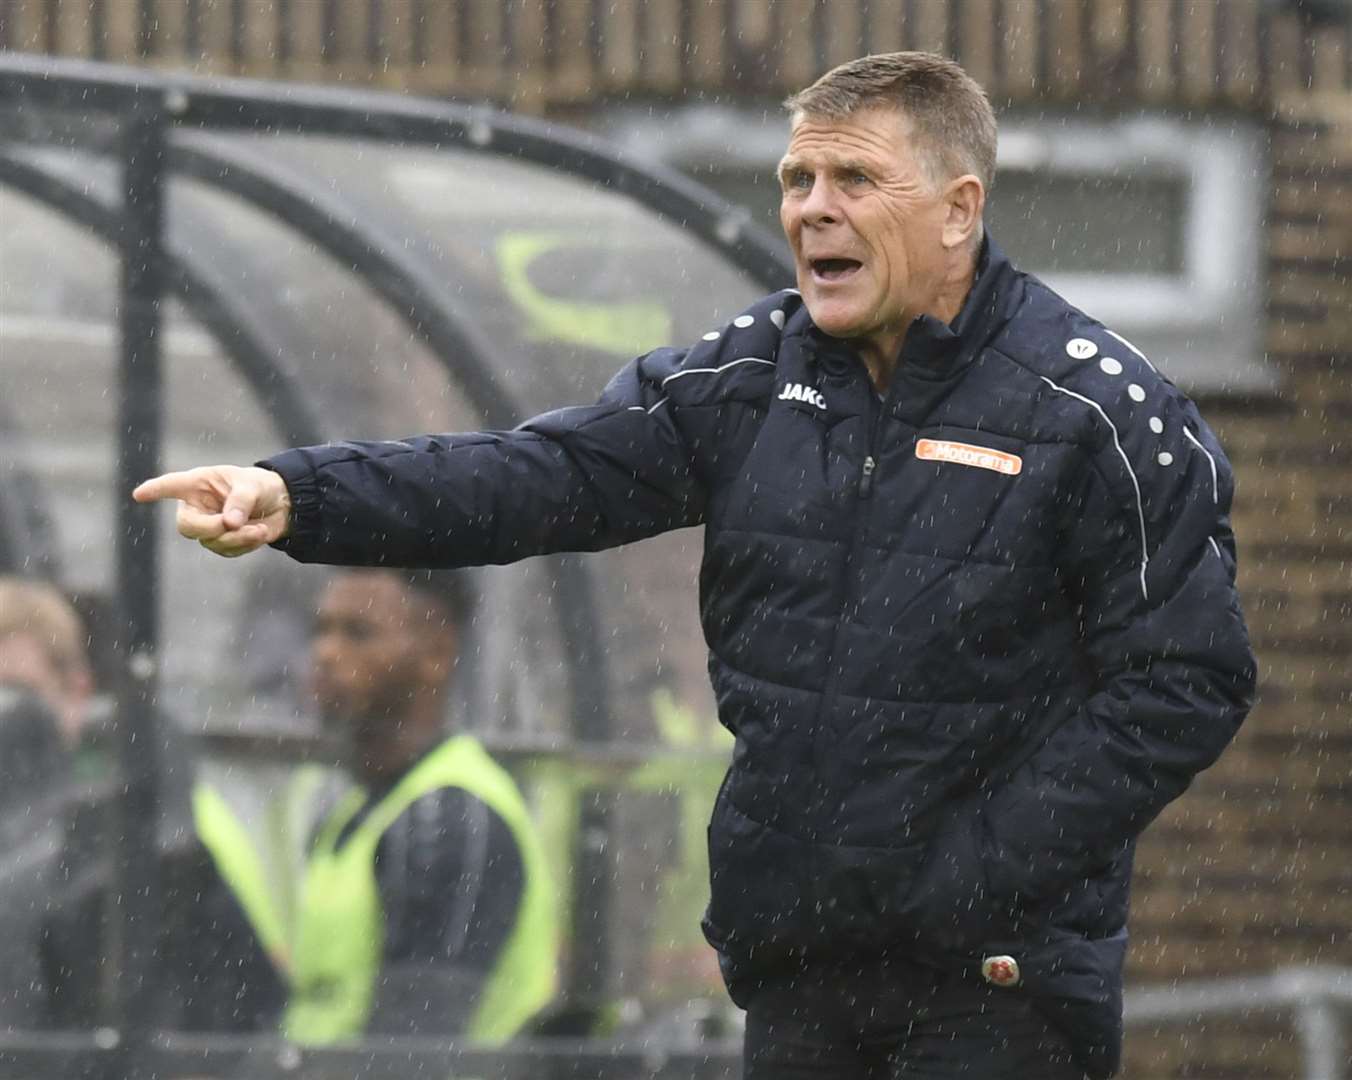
874,1021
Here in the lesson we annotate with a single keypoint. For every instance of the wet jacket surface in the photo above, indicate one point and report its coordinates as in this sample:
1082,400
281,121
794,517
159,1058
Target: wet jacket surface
971,637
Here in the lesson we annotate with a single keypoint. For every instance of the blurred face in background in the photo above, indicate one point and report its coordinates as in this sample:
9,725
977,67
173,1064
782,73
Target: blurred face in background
374,652
26,663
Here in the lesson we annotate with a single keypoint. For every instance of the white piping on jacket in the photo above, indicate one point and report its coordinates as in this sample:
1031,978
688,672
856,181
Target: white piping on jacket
1140,505
1134,349
702,371
1215,483
716,370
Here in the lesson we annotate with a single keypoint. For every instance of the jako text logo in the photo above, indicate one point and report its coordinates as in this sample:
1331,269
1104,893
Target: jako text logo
798,392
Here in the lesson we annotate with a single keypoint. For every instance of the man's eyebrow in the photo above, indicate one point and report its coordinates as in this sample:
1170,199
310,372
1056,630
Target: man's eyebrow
852,165
841,165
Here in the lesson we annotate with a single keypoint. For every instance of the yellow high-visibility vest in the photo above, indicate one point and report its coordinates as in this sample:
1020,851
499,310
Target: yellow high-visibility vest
329,949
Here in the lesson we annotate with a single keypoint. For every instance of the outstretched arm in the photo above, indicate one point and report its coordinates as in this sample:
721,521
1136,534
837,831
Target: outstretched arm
574,479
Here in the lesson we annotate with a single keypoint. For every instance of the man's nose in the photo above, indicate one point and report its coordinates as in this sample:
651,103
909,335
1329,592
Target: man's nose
324,648
819,205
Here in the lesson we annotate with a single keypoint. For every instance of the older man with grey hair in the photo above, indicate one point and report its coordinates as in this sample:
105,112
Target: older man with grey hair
968,589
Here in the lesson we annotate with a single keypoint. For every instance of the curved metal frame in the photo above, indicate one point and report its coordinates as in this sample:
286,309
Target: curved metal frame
273,381
330,225
252,105
151,107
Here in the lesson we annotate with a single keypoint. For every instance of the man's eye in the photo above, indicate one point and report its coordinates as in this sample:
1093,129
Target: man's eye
798,181
859,178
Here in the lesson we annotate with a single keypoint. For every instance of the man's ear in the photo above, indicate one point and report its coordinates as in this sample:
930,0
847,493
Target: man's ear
440,650
965,199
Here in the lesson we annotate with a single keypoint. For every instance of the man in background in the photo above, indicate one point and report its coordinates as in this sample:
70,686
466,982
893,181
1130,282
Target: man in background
58,793
43,651
45,690
423,906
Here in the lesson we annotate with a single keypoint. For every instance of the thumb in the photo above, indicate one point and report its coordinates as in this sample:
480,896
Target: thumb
240,502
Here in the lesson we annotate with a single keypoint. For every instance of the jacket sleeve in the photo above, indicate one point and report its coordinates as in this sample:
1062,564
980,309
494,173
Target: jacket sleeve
1149,559
576,479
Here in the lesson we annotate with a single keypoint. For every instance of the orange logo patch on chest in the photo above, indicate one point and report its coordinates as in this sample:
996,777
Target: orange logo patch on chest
960,453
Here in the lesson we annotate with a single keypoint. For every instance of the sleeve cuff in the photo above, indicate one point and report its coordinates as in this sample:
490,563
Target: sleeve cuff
302,487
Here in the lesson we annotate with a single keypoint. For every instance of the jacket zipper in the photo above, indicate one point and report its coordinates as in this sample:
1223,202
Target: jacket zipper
866,476
831,691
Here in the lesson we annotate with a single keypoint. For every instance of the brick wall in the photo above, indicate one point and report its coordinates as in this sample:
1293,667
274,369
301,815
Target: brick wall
541,54
1252,870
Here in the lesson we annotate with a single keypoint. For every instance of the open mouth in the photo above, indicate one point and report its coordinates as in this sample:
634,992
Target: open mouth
834,269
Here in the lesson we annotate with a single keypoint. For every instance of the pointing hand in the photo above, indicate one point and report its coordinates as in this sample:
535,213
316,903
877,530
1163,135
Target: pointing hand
227,509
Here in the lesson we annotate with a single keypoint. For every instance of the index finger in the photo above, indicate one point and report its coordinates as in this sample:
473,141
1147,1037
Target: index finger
173,485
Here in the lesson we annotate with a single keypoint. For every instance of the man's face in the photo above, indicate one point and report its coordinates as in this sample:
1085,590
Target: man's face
367,654
864,222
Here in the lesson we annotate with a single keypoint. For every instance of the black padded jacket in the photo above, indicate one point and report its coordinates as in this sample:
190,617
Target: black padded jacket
971,637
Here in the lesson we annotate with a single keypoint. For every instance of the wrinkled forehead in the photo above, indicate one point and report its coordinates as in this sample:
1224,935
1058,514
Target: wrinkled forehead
876,132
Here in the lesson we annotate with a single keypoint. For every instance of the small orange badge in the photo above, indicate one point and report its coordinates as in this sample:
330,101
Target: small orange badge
960,453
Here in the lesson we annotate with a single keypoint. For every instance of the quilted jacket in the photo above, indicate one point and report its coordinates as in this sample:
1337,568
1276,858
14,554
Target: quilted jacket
971,636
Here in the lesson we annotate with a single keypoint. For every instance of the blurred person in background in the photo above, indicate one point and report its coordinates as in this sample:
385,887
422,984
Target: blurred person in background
43,650
60,647
968,588
58,790
45,690
423,905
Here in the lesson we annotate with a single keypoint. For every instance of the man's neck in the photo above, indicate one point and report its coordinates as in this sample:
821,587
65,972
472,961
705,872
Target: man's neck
382,755
882,352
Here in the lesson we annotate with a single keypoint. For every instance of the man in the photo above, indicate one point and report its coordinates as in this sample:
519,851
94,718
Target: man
42,649
967,587
424,906
45,689
58,780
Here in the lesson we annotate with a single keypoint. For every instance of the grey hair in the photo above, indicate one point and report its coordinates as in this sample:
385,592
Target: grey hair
951,117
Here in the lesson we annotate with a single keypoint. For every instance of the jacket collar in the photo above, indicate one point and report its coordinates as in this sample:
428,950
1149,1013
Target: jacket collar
935,349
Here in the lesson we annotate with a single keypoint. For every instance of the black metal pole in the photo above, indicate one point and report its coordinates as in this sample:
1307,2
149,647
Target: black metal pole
135,911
